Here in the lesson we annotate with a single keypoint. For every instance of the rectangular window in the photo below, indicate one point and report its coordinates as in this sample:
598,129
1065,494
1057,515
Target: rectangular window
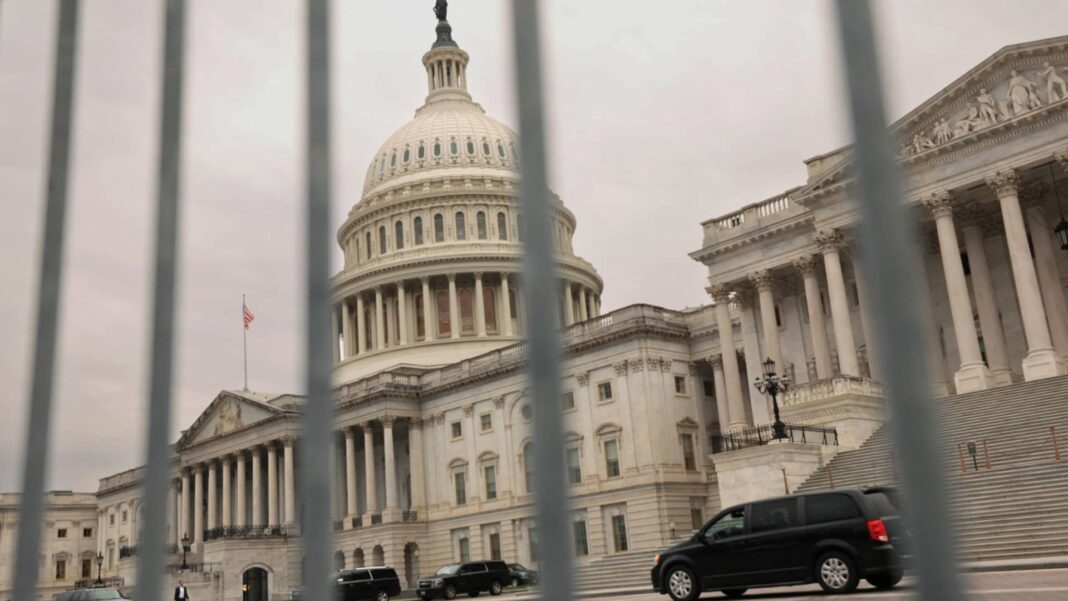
773,515
486,420
611,458
567,401
680,384
604,391
489,474
619,533
574,467
61,533
697,518
457,429
465,550
582,546
710,388
87,568
495,545
111,519
61,569
87,532
124,517
778,317
460,480
829,508
687,453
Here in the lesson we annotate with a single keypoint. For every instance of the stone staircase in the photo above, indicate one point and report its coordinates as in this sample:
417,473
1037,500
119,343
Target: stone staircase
616,572
1015,508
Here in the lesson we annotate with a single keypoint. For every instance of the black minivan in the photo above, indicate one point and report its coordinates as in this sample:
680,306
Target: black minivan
368,584
831,537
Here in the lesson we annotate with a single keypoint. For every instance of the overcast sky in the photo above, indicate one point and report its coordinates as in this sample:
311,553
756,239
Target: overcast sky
662,115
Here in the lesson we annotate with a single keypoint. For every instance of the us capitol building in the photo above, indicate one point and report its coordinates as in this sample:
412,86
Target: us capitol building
433,442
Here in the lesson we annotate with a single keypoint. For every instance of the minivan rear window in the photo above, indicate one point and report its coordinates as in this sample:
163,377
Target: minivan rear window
829,508
884,502
773,515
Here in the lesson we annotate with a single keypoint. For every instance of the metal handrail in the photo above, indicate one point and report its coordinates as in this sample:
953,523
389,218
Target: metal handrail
761,435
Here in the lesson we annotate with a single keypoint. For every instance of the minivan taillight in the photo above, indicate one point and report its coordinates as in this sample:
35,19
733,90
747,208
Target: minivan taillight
877,531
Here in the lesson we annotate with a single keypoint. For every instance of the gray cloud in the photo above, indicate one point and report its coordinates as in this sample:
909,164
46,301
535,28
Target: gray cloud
660,118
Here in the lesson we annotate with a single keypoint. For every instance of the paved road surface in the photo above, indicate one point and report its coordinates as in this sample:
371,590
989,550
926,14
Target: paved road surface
1023,585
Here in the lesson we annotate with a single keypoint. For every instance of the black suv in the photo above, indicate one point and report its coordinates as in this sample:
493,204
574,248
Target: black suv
375,584
834,538
472,577
91,594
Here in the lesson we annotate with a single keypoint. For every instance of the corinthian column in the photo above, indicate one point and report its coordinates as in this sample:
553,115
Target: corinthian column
227,506
391,466
829,242
972,374
350,473
817,326
380,320
1049,278
290,489
997,357
257,488
361,325
346,329
766,297
241,515
1042,360
480,306
866,323
506,306
371,504
569,307
183,517
402,314
718,380
735,401
212,514
272,484
415,462
430,323
454,308
198,504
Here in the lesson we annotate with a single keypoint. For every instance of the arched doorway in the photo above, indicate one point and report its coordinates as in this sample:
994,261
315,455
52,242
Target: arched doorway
339,561
357,558
378,556
254,585
411,564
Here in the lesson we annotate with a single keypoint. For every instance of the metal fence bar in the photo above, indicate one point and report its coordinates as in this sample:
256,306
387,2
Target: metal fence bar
157,429
35,459
886,245
541,295
318,413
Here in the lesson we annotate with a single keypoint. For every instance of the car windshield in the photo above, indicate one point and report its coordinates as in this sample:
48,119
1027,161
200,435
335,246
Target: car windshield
517,566
103,595
448,570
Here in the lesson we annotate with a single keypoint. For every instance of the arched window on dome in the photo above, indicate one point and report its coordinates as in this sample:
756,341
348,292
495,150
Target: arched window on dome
356,239
437,148
422,151
489,304
393,159
398,237
382,165
439,228
470,147
502,226
417,230
467,311
381,239
480,225
369,245
461,226
500,149
420,320
454,148
485,147
444,325
407,155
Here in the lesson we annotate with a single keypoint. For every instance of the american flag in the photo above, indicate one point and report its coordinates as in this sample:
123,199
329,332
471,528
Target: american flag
248,316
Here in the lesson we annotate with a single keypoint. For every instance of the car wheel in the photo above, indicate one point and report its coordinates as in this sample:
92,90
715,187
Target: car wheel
681,584
837,573
382,596
495,588
733,593
887,580
450,592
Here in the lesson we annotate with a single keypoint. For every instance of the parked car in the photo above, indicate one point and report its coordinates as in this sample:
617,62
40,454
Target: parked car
834,538
371,584
473,578
522,574
91,594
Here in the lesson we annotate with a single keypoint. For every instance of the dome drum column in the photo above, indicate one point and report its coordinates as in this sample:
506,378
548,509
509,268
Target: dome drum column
361,325
569,308
454,308
480,307
402,315
430,329
506,306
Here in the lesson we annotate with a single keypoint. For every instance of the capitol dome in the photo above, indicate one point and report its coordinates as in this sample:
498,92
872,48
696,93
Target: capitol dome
433,252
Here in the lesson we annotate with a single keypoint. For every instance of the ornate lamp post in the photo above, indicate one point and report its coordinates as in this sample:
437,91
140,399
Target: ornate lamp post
1061,229
772,384
185,549
99,565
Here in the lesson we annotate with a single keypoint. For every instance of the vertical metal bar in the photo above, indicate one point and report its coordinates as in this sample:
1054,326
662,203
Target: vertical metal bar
35,459
315,486
157,429
886,245
541,295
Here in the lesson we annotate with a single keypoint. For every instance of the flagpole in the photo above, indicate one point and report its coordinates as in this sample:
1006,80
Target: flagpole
244,339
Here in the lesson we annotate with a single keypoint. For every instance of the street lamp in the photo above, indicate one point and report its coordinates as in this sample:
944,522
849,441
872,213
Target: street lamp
185,549
772,384
99,565
1061,229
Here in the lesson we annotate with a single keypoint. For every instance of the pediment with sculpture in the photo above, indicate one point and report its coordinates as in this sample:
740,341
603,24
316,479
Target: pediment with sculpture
229,412
1014,86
